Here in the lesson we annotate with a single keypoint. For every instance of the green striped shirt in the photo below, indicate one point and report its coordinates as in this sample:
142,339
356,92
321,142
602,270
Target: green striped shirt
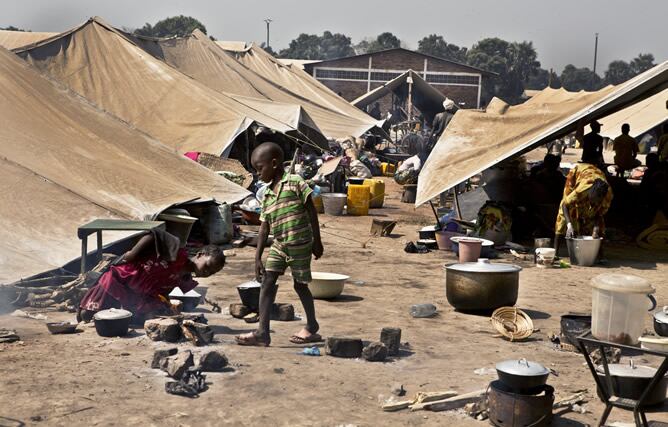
286,212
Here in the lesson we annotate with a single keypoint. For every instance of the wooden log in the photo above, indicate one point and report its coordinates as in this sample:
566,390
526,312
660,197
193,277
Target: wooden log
420,397
450,403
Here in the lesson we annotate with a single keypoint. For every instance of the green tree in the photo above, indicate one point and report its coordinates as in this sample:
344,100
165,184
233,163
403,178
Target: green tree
642,63
576,79
618,72
268,49
311,46
384,41
179,26
13,28
543,78
514,63
436,45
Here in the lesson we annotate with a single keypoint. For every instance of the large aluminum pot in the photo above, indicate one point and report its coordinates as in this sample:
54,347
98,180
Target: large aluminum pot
481,286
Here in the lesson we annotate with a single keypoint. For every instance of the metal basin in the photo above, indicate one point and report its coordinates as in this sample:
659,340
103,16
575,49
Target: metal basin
583,250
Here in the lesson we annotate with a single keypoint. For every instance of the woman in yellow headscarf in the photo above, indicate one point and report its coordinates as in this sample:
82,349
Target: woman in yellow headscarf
586,200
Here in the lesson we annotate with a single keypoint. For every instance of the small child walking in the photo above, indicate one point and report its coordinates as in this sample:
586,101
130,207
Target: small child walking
288,212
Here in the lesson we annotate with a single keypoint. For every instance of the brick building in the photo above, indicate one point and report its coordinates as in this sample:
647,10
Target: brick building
354,76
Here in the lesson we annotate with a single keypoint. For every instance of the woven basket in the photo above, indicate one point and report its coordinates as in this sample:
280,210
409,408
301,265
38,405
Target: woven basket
512,323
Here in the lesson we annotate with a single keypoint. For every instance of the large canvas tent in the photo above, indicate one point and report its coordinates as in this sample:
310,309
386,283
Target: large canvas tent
477,140
105,66
641,116
14,39
424,97
64,162
294,79
202,59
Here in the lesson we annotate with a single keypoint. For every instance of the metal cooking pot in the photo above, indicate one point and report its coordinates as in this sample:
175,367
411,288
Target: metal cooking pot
428,232
631,381
661,322
113,322
573,325
522,376
481,286
249,293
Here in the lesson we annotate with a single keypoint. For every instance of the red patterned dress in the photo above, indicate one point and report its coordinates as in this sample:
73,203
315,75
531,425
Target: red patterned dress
138,286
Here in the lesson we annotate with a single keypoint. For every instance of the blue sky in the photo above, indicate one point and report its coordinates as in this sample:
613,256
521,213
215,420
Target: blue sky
562,31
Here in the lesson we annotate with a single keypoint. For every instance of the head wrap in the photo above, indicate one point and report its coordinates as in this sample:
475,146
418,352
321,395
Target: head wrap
448,104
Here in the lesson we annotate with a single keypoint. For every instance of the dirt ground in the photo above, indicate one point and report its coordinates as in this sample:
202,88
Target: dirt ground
84,379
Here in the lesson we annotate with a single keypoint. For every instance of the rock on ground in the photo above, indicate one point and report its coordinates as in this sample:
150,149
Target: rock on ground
163,330
213,361
344,347
375,352
177,365
160,354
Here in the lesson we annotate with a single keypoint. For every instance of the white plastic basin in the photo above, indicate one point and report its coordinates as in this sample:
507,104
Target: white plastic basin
327,285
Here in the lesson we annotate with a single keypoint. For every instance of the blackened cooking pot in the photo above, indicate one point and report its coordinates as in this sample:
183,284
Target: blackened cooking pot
522,376
630,382
481,285
113,322
661,322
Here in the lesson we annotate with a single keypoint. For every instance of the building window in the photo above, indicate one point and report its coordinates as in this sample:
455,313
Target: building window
452,79
331,74
380,76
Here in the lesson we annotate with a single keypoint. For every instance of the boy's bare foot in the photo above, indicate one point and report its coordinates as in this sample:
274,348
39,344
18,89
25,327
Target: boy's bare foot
251,339
305,337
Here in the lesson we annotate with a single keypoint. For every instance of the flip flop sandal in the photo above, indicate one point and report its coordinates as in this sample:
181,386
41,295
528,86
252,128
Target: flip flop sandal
252,341
296,339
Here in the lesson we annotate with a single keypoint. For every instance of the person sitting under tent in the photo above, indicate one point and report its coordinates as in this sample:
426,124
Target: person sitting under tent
441,122
662,145
141,280
586,200
626,150
592,143
549,177
375,111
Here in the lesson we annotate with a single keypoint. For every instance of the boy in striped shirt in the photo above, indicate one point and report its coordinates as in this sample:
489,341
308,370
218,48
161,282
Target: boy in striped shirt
288,212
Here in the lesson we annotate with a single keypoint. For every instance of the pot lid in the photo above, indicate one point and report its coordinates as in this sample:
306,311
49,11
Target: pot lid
112,314
251,284
625,283
484,242
661,316
428,228
177,292
628,370
522,367
484,266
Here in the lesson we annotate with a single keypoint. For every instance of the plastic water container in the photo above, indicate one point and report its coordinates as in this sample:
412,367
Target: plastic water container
377,190
358,199
423,310
317,202
387,169
619,305
218,224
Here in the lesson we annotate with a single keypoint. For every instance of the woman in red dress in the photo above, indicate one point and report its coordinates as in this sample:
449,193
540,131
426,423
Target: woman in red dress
142,281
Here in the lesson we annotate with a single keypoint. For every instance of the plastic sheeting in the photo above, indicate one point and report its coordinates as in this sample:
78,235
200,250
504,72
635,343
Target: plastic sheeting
425,98
477,140
202,59
105,66
642,116
64,162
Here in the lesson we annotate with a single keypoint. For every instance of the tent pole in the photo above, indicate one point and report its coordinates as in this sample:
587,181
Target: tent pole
455,199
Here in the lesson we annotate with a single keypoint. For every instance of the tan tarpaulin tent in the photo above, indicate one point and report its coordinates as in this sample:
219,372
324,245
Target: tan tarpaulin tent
13,39
476,140
106,67
425,97
294,79
641,116
64,162
202,59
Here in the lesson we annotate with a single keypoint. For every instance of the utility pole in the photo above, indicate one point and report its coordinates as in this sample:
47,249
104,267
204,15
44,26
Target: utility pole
595,51
268,21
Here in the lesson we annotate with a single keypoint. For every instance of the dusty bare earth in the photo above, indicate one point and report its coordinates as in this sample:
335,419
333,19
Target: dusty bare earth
83,379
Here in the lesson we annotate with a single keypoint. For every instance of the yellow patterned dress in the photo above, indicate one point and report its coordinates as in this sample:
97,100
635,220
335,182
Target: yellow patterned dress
584,215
